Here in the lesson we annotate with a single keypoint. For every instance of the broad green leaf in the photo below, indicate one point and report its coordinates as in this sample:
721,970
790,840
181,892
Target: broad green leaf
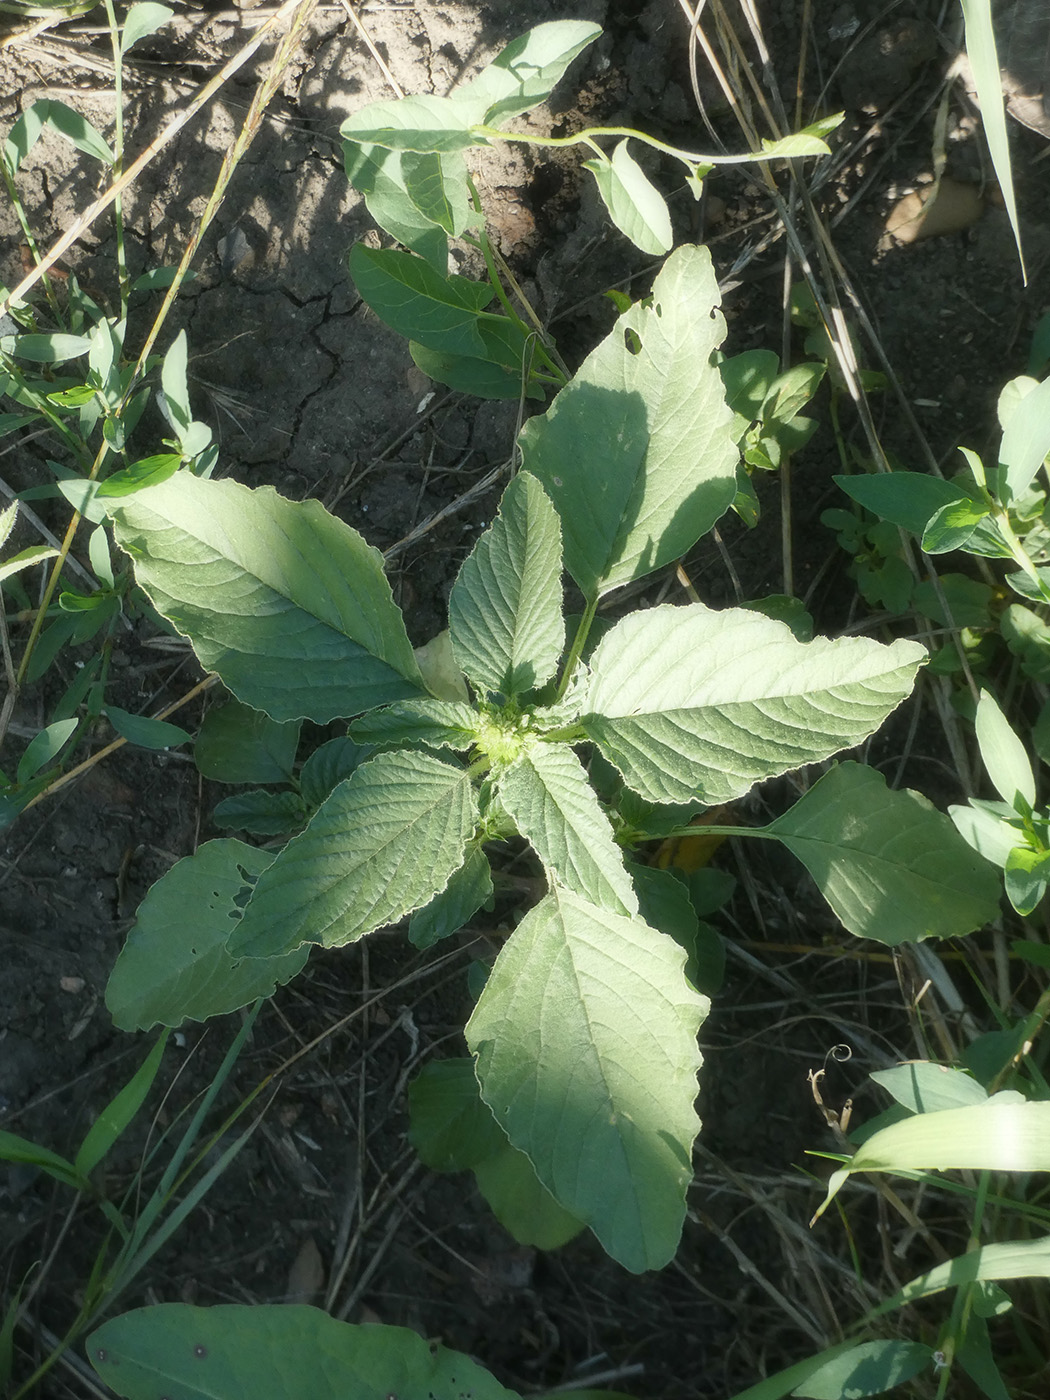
525,72
1026,440
452,1129
278,1351
443,313
984,62
469,375
505,612
585,1039
521,1203
546,793
413,124
869,1368
119,1112
285,602
60,117
468,889
143,20
748,379
998,1136
327,766
175,386
442,676
379,175
437,186
891,866
923,1087
261,812
1003,754
986,827
175,968
384,843
50,348
236,744
45,747
696,705
907,499
637,451
146,733
664,904
443,724
635,205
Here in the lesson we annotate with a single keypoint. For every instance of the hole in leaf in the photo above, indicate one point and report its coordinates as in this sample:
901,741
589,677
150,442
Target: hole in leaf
633,341
200,1349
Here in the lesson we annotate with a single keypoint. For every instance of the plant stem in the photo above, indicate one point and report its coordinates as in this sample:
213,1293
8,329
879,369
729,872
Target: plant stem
578,644
588,136
123,279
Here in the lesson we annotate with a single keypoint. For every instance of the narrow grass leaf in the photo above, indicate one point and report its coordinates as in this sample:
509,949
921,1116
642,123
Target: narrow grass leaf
17,1149
285,602
891,866
173,968
696,705
635,205
45,747
117,1116
505,611
144,732
548,796
276,1352
585,1038
984,61
637,452
1003,754
525,72
869,1368
60,117
383,844
25,559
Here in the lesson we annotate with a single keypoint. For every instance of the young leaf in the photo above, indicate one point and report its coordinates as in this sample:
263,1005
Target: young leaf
143,19
1026,875
285,602
413,124
525,73
585,1039
276,1352
174,385
547,795
236,744
44,747
442,724
467,890
437,186
49,112
505,612
1003,754
889,864
384,843
696,705
635,205
174,969
150,471
146,733
952,526
637,452
1026,440
50,348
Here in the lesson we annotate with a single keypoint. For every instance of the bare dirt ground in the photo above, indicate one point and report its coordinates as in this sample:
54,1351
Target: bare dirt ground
307,391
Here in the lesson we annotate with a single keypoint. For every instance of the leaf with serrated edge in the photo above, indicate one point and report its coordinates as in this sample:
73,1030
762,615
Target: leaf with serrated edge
637,452
546,792
382,844
443,724
173,968
891,866
585,1038
696,705
505,612
277,1351
288,604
